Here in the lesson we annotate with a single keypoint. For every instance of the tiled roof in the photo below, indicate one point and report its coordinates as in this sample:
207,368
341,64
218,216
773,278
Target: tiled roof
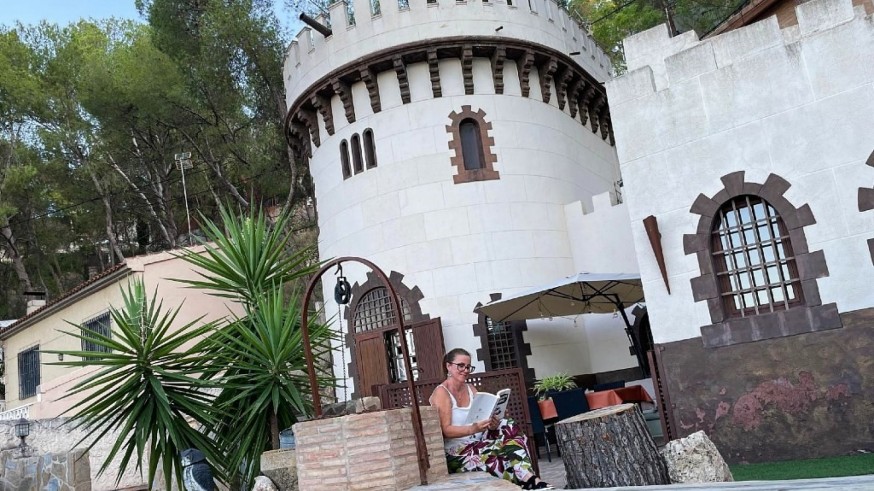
66,295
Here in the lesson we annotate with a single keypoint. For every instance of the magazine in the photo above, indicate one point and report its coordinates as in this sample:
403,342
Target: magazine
484,405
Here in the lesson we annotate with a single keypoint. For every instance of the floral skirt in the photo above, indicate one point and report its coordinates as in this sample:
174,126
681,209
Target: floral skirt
502,452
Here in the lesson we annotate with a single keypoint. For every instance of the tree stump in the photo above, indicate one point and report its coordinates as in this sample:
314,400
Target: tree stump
610,447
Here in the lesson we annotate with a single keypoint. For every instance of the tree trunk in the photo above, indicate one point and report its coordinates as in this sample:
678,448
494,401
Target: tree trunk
115,250
610,447
274,429
17,260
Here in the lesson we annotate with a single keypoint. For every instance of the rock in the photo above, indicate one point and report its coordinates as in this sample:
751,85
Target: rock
355,406
695,459
263,483
281,467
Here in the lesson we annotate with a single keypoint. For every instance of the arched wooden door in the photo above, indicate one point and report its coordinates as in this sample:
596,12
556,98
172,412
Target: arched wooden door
376,348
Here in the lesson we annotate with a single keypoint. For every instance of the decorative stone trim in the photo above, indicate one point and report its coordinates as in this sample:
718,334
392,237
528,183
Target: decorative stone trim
434,72
487,172
343,90
408,296
403,82
561,86
524,65
584,89
545,72
467,68
323,105
811,316
523,349
309,120
497,61
370,81
866,203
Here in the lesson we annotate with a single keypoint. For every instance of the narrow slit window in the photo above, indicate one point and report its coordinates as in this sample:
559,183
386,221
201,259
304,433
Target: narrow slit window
369,149
344,159
357,162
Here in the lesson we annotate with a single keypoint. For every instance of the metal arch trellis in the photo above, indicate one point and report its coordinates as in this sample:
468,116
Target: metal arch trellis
421,449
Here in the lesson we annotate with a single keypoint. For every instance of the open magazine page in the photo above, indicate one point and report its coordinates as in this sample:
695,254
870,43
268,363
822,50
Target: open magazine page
484,405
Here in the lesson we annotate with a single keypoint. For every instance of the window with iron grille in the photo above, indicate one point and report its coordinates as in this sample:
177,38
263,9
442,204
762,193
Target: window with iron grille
99,325
502,345
374,311
753,259
28,372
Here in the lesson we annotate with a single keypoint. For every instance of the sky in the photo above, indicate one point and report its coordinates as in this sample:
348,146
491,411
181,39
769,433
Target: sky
63,12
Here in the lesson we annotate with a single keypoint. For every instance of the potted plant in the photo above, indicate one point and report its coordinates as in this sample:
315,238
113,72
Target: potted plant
544,387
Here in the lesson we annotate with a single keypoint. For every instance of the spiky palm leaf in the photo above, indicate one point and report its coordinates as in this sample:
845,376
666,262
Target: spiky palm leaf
247,256
146,386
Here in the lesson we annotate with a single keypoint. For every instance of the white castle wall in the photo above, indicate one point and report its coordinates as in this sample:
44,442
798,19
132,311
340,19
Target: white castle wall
461,242
798,103
311,55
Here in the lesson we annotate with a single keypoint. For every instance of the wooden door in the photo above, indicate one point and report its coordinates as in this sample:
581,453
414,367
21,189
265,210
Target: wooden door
429,349
372,362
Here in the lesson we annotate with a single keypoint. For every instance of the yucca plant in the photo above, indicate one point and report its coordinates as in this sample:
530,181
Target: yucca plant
146,387
258,357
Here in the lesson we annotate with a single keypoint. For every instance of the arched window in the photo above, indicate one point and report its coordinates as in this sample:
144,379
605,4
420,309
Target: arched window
369,149
471,144
758,275
753,258
344,159
357,163
474,158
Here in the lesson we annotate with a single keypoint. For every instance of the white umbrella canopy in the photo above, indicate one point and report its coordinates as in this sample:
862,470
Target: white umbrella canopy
583,293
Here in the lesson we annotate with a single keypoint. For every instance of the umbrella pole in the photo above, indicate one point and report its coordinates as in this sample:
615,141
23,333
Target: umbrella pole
628,332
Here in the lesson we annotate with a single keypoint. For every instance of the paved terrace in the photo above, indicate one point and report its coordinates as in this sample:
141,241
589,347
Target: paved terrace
553,472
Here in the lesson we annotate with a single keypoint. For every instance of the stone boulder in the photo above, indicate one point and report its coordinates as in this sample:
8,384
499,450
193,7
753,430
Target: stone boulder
280,466
695,459
263,483
354,406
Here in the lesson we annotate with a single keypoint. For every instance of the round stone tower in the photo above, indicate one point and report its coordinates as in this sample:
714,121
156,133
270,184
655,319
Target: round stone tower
445,139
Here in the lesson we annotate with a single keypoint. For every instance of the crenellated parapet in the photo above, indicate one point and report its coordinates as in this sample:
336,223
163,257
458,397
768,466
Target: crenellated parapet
311,56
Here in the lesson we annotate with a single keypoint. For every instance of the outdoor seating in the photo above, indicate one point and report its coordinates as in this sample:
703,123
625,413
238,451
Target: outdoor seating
570,403
604,398
538,428
609,385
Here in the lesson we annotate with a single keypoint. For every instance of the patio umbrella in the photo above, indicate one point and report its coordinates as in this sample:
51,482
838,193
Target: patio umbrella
583,293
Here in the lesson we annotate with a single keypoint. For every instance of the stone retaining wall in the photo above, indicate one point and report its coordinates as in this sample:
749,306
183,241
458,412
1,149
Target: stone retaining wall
67,471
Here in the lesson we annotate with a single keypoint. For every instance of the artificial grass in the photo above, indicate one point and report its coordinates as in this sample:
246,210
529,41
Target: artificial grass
850,465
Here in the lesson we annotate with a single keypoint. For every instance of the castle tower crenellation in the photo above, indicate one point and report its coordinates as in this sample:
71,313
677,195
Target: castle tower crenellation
311,56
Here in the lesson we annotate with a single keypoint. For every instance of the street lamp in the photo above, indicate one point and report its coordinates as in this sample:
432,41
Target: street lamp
22,429
183,161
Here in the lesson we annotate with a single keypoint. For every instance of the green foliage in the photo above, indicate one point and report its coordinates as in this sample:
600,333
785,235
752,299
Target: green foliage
553,383
258,358
145,386
847,465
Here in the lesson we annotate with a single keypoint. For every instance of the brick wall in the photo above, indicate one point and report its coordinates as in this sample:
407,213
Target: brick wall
374,450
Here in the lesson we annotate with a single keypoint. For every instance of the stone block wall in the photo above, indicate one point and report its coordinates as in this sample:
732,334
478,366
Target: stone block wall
374,450
66,471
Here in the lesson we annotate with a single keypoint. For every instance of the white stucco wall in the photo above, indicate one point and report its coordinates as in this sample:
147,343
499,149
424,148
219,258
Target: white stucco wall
459,242
798,103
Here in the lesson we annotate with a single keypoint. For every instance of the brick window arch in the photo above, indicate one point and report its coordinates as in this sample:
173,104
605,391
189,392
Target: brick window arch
474,157
344,159
369,149
752,249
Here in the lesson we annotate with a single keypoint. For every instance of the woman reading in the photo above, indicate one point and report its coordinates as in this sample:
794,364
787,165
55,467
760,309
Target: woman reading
492,445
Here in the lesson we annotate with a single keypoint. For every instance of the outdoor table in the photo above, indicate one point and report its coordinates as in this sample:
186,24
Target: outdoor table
612,397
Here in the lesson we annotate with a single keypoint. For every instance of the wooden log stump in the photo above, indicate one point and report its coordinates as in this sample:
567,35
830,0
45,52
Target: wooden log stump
610,447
